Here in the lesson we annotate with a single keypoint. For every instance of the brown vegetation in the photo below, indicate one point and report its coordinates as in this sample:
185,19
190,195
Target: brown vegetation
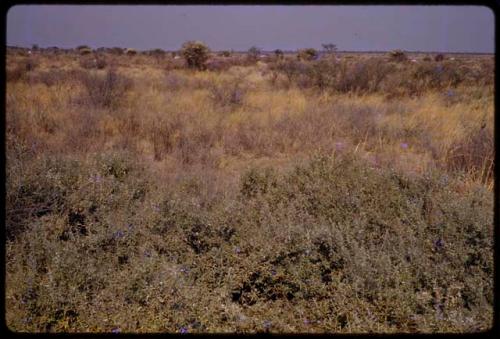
349,196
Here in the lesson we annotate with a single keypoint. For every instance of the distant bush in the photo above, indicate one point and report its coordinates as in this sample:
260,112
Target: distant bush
90,62
84,51
398,55
196,54
439,57
225,54
253,53
130,51
427,58
307,54
116,50
157,52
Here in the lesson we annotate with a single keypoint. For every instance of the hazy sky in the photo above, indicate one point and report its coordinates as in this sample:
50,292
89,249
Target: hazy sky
424,28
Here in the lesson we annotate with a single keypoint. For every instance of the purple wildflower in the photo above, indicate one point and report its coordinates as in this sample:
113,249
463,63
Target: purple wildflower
306,321
184,270
439,244
118,234
116,330
404,145
339,146
96,178
450,93
267,324
237,250
183,330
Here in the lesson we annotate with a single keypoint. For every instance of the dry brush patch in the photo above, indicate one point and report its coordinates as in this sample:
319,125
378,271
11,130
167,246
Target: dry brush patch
347,196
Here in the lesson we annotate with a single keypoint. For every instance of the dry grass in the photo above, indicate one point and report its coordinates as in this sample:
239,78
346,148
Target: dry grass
346,196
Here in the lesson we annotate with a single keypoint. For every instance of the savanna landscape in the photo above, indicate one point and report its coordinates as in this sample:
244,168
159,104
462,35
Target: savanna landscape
203,191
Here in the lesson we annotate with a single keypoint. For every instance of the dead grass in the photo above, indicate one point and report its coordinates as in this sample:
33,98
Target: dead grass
282,196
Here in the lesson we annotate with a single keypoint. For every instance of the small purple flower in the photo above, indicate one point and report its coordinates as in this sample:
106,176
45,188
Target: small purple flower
156,208
118,234
267,324
130,227
306,322
184,270
147,253
439,244
273,272
450,93
404,145
116,330
183,330
96,178
237,250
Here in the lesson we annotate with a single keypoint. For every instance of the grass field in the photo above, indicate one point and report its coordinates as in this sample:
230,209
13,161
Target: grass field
351,195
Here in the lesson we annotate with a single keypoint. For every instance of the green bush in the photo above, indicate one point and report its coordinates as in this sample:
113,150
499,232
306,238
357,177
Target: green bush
196,54
307,54
414,254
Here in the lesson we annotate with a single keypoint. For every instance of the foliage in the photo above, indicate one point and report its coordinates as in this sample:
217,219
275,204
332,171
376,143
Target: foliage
195,53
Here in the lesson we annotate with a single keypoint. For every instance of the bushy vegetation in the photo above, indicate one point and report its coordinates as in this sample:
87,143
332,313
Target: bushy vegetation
350,195
307,54
195,53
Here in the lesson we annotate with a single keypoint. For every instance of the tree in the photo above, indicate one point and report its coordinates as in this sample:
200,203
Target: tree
196,54
254,52
329,48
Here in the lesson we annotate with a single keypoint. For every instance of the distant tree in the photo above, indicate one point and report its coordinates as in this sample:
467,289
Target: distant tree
329,48
225,54
278,53
254,52
196,54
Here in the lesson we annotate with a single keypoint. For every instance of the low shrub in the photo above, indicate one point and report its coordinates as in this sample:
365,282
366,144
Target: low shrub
105,90
398,55
196,54
91,62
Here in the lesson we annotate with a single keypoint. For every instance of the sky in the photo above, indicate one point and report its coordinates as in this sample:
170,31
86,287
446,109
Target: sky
351,28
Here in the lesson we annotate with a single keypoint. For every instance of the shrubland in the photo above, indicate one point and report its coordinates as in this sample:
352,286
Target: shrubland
348,195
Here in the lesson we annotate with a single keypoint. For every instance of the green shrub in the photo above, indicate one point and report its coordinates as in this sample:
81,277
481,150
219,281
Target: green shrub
307,54
196,54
